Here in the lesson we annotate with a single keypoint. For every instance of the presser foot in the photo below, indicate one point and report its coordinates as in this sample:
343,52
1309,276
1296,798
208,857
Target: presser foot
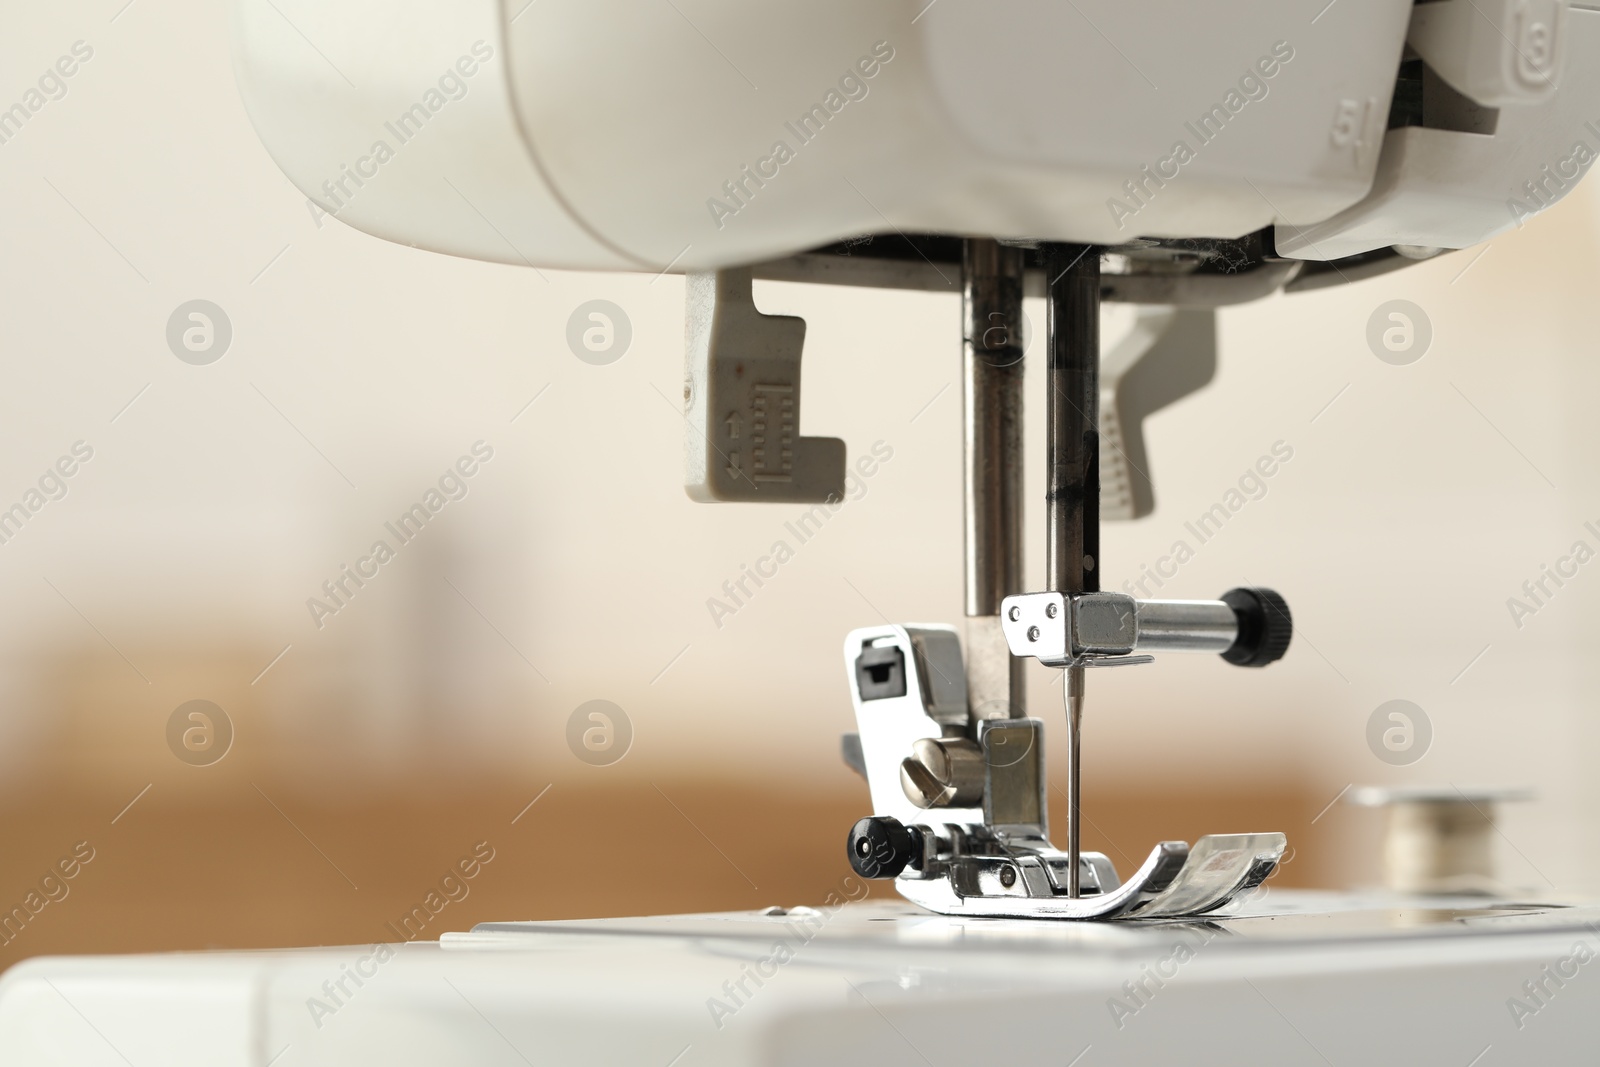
1176,881
960,819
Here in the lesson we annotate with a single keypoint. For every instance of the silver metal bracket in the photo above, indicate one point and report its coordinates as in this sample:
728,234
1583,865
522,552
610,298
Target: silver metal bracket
742,399
1104,629
992,856
1062,630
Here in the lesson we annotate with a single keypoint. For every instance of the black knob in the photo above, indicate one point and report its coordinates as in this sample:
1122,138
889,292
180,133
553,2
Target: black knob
881,846
1265,627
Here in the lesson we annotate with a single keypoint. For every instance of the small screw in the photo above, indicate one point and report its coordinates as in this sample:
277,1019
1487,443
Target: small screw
1008,876
1088,563
1015,613
1050,611
1033,633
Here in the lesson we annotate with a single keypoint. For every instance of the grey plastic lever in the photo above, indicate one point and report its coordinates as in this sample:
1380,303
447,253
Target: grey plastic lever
742,394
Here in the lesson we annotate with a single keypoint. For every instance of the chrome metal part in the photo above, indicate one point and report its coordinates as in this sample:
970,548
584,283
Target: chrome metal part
742,400
992,368
1175,881
943,773
1074,706
992,856
1014,798
957,775
1186,625
931,703
1061,629
1103,624
1072,503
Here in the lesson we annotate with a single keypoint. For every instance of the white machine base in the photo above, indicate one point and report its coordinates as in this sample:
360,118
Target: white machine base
1290,978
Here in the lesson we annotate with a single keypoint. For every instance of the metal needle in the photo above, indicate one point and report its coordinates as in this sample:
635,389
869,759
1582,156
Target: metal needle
1074,778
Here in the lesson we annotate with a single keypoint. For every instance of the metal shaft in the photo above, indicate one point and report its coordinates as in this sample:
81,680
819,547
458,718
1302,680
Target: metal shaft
1186,625
1073,499
992,353
1074,685
1073,381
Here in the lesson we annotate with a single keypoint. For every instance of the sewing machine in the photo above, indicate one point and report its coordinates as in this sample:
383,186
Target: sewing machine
1176,157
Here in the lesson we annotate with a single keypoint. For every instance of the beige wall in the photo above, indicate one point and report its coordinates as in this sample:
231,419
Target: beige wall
179,564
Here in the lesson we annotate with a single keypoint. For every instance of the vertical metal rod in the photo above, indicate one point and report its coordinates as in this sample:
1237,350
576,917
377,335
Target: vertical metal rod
1074,687
992,354
1073,499
1073,406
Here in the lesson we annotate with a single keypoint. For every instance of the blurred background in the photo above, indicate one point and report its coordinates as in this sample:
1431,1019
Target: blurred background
347,759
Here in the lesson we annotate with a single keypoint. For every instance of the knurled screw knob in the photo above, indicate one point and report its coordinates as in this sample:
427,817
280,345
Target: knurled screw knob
880,846
1265,627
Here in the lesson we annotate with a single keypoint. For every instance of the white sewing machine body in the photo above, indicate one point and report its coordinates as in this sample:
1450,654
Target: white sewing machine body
734,138
1299,978
616,136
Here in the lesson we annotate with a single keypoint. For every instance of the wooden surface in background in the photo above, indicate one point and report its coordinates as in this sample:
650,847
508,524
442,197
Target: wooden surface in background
259,865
